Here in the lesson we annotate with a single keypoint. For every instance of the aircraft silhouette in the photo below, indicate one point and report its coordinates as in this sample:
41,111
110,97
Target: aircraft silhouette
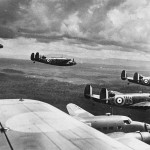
130,100
137,78
58,61
112,125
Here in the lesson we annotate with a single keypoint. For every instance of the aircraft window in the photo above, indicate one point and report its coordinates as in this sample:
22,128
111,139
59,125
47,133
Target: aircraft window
127,121
110,128
119,127
104,128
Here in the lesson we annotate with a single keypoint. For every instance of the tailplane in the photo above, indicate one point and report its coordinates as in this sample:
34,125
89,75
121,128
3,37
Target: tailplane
77,111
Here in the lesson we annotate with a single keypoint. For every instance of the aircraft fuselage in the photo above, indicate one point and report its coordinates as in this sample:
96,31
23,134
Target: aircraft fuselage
115,123
125,100
137,78
129,99
58,61
143,81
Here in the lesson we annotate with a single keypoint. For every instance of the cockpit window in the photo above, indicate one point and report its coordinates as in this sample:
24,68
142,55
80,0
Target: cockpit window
127,121
104,128
119,128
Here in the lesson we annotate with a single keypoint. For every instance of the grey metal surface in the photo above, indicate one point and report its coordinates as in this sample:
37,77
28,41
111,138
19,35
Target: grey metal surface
35,125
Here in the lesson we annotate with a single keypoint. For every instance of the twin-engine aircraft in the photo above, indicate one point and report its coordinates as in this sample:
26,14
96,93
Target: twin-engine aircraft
131,100
1,46
58,61
137,78
34,125
113,125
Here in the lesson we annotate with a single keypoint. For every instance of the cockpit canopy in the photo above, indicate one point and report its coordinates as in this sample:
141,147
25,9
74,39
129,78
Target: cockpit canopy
127,121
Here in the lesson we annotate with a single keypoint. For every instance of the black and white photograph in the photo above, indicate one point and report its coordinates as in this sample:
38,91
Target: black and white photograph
74,75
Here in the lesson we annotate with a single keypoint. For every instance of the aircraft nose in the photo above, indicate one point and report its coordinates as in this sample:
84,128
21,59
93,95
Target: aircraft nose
147,127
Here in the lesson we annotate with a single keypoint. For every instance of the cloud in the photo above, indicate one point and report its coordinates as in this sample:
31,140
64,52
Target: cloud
21,48
123,23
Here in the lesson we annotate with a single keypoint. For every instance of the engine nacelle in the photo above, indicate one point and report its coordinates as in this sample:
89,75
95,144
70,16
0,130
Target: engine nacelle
88,91
143,136
123,75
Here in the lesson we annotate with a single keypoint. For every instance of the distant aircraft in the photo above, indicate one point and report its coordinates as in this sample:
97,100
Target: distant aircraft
35,125
137,78
131,100
1,46
58,61
111,124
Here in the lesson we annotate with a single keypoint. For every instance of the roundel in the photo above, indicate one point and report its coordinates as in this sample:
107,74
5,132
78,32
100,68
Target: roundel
119,101
146,81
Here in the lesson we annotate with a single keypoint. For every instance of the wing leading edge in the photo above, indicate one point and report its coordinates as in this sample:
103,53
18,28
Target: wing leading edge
36,125
144,105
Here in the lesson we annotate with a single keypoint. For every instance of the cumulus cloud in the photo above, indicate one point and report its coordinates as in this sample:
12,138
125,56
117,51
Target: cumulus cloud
123,23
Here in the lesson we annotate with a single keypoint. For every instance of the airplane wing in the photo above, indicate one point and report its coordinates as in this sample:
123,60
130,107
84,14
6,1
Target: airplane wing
134,140
134,143
144,105
35,125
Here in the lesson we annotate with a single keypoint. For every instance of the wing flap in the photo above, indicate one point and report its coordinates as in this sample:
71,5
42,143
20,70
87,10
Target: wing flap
134,143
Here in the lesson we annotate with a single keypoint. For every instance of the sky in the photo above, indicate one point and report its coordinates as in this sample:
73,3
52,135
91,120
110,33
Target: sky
80,28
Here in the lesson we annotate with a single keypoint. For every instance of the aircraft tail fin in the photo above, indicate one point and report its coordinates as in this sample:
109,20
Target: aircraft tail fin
104,94
88,91
32,57
77,111
37,56
1,46
123,75
136,76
